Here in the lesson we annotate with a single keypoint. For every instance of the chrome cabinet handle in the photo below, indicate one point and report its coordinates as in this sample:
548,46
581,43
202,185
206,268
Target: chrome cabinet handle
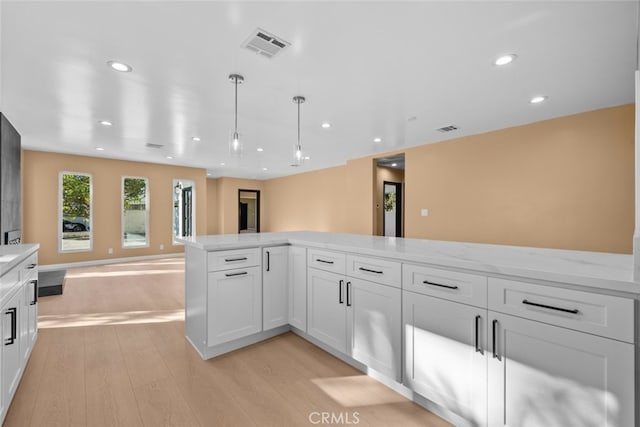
495,334
478,348
550,307
371,271
426,282
236,274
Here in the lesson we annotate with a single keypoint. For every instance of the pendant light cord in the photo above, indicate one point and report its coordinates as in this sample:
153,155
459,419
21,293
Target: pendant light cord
298,124
236,122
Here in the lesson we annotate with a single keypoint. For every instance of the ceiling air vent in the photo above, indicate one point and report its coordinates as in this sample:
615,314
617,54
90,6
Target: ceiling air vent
264,43
151,145
449,128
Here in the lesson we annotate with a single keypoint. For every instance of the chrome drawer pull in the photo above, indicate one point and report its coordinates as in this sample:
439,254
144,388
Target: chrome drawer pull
235,274
370,271
426,282
235,259
324,261
550,307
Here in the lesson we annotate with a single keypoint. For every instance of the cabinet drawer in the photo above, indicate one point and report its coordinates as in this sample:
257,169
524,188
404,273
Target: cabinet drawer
326,260
225,260
604,315
461,287
29,268
375,270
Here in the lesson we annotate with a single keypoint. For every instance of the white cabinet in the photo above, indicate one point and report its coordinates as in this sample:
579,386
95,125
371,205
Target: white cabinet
12,360
29,317
327,316
373,323
356,317
234,304
298,287
546,376
445,357
275,271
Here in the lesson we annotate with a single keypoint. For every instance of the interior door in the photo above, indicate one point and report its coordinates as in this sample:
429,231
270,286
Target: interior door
244,210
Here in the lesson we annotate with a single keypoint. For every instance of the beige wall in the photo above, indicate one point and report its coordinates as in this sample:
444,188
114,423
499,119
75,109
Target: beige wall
212,206
561,183
385,174
314,200
360,186
40,204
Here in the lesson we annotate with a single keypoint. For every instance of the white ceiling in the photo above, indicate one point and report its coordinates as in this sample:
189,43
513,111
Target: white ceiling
366,67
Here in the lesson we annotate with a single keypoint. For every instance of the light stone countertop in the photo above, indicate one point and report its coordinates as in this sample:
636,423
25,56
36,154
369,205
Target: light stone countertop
604,271
12,255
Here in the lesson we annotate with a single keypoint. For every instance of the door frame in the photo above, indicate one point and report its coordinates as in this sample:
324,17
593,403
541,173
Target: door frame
257,193
399,202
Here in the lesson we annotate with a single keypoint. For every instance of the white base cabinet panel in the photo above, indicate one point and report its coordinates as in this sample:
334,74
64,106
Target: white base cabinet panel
298,287
12,360
546,376
374,322
327,317
234,301
445,356
275,269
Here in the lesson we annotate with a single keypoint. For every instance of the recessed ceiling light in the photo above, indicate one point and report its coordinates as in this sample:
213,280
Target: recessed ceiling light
222,164
307,158
169,157
105,123
505,59
326,125
394,164
99,149
195,138
377,139
260,149
538,99
120,66
264,169
208,173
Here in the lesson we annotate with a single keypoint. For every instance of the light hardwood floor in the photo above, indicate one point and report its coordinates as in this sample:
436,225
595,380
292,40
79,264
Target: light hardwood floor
111,351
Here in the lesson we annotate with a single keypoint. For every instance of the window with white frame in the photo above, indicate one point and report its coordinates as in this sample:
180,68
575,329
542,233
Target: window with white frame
75,213
135,212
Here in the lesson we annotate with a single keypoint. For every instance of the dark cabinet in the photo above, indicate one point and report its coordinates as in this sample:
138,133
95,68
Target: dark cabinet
10,185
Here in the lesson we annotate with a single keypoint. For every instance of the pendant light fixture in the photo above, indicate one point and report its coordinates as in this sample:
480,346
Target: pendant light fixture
298,157
235,146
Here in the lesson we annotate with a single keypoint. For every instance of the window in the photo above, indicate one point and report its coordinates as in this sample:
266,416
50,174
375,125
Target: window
184,209
135,213
75,233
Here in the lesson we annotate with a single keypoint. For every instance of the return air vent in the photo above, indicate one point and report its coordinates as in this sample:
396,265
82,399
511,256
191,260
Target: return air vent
449,128
151,145
264,43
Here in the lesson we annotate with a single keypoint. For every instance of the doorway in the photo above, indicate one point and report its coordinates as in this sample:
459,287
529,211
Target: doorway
248,211
392,204
184,211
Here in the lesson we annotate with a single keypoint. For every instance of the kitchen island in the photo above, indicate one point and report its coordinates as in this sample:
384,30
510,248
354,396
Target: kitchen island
488,333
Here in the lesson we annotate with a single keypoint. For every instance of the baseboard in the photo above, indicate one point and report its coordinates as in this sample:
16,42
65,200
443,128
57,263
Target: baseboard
50,267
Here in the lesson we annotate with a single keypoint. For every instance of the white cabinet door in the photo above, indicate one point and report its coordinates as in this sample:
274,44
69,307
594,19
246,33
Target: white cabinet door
29,318
547,376
234,303
12,362
445,356
327,309
298,287
374,325
275,269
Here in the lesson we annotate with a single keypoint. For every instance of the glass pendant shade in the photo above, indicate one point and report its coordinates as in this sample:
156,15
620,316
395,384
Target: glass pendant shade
298,157
235,145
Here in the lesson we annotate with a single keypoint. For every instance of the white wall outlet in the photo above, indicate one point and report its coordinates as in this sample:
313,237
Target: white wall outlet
424,212
161,247
110,250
